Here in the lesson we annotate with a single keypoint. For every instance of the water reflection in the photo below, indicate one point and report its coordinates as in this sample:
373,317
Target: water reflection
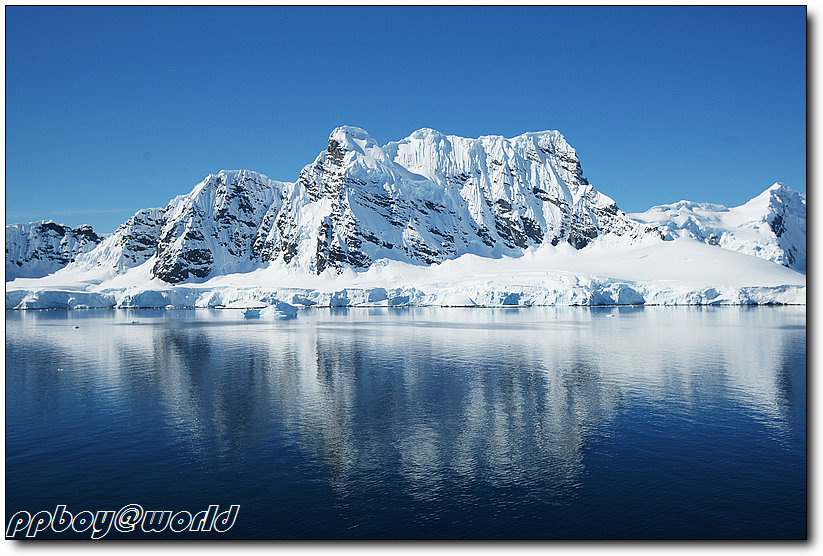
503,397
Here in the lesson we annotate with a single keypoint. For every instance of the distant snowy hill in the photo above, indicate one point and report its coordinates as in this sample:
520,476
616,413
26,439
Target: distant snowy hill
39,248
771,226
415,203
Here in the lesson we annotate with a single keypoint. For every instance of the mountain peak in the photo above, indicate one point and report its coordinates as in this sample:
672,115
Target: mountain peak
351,138
551,134
427,133
778,193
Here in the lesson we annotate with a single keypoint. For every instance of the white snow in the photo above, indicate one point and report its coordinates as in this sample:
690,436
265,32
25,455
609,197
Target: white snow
682,271
747,228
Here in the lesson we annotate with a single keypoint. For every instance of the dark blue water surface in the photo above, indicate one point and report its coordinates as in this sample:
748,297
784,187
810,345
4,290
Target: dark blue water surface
417,423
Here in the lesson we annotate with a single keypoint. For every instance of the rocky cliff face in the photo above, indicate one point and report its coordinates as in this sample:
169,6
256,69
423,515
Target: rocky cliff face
132,244
40,248
771,226
213,229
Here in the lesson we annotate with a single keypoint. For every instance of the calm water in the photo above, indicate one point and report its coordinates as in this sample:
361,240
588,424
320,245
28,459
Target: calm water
433,423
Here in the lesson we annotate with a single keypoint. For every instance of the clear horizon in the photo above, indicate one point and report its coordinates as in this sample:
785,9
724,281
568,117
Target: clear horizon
110,110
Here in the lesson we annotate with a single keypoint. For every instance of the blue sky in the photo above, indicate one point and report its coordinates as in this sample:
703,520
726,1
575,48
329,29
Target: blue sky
109,110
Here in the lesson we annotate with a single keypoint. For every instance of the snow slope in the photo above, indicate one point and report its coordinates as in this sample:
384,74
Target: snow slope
682,271
771,226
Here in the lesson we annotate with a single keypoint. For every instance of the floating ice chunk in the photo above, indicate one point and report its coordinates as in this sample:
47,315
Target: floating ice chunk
251,313
277,310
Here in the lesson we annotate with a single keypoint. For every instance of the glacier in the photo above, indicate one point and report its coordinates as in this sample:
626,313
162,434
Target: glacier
432,219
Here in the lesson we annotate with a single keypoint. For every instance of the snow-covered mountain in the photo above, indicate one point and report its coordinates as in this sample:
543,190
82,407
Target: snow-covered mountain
39,248
422,200
771,226
433,197
417,203
132,244
214,229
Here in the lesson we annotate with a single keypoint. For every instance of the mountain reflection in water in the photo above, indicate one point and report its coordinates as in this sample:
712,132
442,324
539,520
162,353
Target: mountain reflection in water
418,422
